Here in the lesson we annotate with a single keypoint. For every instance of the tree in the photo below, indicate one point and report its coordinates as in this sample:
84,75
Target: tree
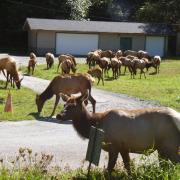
163,11
79,9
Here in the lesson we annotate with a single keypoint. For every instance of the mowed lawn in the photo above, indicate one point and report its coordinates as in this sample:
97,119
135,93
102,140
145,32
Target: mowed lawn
163,88
24,107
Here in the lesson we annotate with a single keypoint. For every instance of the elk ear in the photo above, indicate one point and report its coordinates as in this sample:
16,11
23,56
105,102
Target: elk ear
64,97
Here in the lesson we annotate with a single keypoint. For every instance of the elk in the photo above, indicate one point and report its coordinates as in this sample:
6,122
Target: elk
31,65
67,65
49,60
67,84
9,64
98,73
128,131
63,57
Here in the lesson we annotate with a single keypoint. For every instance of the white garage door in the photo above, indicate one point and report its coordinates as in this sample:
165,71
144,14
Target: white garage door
76,44
155,45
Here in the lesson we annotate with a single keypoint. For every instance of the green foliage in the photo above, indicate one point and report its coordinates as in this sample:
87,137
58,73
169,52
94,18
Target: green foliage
159,11
79,9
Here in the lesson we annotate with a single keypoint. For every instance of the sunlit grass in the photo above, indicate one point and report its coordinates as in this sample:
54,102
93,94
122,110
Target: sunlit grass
24,107
30,165
163,87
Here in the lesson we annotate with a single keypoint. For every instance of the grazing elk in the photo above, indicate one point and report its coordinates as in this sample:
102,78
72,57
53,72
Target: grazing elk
116,67
128,131
98,73
9,64
32,55
68,84
141,64
64,57
157,62
49,60
67,65
31,66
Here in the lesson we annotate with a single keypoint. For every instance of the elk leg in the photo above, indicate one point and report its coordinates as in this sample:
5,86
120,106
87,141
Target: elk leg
113,155
98,81
126,159
7,80
56,103
58,67
93,102
124,69
102,81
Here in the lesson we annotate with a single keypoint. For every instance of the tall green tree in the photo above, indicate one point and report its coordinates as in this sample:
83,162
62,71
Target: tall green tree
166,11
99,10
79,9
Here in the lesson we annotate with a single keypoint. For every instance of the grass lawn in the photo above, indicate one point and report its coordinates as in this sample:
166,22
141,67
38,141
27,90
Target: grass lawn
163,88
24,107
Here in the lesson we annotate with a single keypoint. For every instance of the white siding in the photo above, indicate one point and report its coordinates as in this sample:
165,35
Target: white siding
76,44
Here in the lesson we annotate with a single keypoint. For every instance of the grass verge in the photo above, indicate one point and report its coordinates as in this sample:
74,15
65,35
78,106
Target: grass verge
24,107
28,165
163,88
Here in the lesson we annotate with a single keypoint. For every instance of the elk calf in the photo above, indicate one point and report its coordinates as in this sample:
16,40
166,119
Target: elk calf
96,72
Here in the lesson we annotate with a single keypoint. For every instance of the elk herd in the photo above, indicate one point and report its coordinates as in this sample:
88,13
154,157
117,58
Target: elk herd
126,131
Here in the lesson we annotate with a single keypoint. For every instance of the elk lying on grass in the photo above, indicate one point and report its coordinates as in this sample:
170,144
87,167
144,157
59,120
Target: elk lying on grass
128,131
68,84
9,64
49,60
98,73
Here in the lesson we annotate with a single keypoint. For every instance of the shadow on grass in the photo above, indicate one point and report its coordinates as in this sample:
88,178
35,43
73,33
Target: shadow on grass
2,100
109,79
38,117
153,73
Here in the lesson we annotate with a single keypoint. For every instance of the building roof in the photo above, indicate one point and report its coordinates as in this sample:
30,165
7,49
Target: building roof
97,26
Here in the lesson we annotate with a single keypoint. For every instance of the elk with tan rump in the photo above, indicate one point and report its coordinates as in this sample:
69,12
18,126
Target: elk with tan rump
67,84
8,63
128,131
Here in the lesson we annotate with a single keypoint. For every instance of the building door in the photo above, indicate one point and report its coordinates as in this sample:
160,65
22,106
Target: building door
76,44
155,45
125,43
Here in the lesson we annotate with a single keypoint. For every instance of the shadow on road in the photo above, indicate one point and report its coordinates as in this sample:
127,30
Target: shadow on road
48,119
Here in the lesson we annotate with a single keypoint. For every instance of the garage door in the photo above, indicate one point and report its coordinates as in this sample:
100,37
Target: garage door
76,44
155,45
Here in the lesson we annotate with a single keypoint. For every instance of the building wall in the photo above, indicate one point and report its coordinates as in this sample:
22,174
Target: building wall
46,42
31,40
109,41
178,44
138,43
42,42
112,41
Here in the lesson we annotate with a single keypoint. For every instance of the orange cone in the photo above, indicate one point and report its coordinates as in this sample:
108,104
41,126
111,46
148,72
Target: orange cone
8,105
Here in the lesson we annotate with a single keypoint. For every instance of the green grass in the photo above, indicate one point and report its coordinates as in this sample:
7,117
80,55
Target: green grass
24,107
28,165
163,88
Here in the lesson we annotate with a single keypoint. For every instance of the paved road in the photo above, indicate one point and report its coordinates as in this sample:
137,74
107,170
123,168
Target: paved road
52,136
